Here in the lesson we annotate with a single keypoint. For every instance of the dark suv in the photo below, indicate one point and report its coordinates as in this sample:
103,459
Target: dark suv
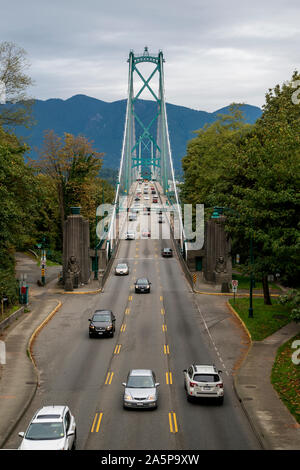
102,324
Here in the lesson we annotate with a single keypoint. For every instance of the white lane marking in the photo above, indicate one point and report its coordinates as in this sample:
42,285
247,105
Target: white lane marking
211,339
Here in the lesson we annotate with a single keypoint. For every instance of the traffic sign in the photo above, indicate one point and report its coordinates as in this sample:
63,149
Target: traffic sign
234,282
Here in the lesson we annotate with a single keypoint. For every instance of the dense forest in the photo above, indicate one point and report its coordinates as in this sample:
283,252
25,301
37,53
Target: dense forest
251,172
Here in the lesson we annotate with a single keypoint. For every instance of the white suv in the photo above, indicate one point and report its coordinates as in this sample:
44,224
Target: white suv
203,381
51,428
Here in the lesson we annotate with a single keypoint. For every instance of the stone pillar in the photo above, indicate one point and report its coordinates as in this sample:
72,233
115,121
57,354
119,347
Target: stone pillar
76,243
217,261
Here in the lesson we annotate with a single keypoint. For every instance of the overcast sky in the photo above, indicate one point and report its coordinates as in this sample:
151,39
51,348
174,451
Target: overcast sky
216,52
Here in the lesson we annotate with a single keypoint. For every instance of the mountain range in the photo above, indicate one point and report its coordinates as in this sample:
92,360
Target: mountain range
103,123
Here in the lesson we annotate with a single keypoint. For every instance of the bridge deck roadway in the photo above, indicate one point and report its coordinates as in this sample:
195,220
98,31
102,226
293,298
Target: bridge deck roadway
163,331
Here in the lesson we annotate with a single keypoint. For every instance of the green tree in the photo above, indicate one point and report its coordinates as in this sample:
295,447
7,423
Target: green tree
17,209
255,174
13,67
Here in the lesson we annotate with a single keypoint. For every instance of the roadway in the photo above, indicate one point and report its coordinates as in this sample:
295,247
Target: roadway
161,331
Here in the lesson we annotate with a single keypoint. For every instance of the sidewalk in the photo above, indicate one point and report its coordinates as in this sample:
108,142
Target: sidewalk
275,426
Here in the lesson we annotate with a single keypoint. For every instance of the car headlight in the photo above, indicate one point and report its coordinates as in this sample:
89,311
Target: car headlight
128,397
151,397
92,327
109,327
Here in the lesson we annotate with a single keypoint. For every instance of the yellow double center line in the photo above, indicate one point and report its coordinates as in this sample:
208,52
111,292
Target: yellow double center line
173,422
117,349
109,378
97,422
169,378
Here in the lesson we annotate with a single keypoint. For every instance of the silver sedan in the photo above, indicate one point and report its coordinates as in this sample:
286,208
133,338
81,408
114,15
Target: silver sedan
122,269
140,389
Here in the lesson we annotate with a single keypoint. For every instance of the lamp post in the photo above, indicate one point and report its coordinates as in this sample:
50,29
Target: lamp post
250,311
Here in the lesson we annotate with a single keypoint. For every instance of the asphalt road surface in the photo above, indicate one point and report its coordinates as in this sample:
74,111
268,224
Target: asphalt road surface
162,331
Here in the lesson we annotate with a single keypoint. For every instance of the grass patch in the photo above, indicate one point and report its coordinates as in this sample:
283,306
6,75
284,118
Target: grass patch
266,318
9,311
244,283
285,377
48,263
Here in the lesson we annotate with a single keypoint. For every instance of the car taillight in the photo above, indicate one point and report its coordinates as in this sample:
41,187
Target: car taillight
220,385
192,384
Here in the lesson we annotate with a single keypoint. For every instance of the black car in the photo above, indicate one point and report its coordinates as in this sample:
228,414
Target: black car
102,324
142,285
167,252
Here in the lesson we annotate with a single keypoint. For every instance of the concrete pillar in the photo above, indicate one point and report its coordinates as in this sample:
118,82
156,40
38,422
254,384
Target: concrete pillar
76,242
217,261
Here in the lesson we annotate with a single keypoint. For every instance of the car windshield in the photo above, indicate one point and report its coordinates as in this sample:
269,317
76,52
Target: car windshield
45,431
122,266
142,281
142,381
101,317
206,378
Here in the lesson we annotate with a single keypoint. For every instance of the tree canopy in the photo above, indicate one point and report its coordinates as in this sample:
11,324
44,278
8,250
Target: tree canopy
253,172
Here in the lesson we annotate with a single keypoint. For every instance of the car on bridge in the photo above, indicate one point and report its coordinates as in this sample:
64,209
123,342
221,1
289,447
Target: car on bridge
132,217
140,389
203,381
130,235
142,285
51,428
155,199
102,323
146,233
122,269
167,252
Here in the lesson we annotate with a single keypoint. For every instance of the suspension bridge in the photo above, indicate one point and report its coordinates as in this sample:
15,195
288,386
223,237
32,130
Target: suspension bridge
146,149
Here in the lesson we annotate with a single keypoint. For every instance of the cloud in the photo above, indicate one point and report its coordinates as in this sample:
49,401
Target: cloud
215,52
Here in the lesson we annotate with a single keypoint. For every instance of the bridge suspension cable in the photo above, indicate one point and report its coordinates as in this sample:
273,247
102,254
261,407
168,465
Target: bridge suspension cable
146,149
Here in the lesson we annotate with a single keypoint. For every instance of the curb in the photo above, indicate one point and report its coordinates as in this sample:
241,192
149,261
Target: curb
84,292
234,312
235,387
36,384
231,294
34,335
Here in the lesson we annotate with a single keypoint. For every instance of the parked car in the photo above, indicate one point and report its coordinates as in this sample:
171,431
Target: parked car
102,323
51,428
130,235
132,217
167,252
203,381
122,269
142,285
140,389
